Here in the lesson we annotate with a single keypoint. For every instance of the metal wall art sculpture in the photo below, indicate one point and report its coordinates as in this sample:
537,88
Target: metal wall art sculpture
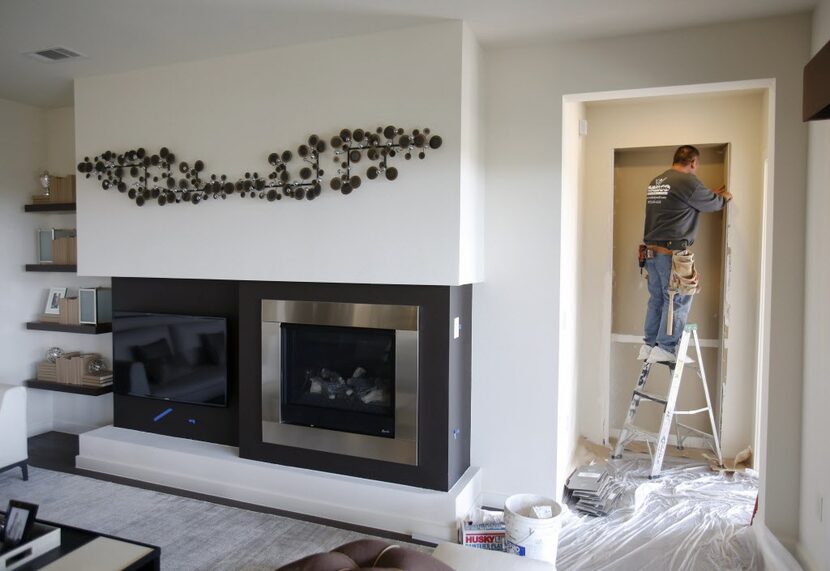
144,177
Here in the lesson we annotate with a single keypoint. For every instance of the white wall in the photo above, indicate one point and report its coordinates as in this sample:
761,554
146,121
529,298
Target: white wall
573,176
33,140
73,413
231,112
517,308
21,149
814,533
471,208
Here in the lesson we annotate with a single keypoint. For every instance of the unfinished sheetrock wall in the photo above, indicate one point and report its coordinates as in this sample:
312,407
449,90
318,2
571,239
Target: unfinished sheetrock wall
814,529
633,170
33,140
738,119
517,310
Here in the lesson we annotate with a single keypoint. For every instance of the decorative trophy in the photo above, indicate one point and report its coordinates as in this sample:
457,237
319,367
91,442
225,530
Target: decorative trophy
45,179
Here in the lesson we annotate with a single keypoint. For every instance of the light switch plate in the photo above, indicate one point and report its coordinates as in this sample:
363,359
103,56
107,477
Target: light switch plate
456,328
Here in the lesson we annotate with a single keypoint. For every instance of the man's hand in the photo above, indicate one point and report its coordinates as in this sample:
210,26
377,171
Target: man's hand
723,193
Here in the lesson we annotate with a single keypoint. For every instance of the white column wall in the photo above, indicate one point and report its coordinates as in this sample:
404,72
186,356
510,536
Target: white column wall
232,112
814,530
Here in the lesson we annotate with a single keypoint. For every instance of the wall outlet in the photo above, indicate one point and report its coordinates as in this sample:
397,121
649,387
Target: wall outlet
583,127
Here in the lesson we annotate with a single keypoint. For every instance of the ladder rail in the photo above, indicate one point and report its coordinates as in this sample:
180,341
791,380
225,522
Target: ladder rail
625,434
668,413
631,431
702,375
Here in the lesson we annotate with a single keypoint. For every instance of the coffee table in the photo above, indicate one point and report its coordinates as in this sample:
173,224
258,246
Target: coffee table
84,549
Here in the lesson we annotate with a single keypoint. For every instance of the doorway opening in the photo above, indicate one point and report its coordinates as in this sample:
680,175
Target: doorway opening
606,137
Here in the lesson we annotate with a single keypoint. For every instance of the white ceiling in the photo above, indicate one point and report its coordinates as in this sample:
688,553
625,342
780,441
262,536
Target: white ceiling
119,35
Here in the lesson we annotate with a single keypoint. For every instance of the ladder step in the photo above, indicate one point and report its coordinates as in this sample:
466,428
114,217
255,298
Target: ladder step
695,411
632,432
651,397
637,433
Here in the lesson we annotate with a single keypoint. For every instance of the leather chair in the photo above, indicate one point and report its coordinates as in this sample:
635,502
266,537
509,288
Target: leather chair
368,554
13,447
377,555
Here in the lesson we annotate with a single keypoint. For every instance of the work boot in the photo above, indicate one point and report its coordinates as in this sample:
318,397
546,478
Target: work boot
645,350
660,355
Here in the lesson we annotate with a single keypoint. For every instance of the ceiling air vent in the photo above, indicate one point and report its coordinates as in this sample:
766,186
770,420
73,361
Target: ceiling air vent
55,54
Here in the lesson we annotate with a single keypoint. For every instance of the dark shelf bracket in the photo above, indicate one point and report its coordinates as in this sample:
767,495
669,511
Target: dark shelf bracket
83,329
51,207
67,388
51,268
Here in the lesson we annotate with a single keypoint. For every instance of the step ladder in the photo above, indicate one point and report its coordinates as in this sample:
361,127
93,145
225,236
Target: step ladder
631,432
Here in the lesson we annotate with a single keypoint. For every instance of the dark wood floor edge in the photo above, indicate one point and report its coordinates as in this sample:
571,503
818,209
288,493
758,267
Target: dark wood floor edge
69,468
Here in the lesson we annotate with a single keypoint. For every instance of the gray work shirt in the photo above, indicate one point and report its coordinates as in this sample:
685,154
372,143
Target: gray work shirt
673,202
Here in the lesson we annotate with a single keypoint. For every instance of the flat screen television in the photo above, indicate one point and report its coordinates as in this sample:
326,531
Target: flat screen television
177,358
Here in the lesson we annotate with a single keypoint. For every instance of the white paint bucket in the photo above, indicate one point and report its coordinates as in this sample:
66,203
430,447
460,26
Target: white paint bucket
529,536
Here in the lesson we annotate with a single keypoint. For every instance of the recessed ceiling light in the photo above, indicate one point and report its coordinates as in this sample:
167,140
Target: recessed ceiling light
51,55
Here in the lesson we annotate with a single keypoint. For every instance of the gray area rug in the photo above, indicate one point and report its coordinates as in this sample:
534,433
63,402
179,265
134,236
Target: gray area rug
192,534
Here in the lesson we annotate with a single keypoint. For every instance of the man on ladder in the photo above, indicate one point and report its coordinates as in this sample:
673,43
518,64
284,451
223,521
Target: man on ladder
674,200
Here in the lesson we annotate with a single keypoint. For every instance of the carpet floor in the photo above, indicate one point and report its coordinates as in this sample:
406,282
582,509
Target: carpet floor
192,534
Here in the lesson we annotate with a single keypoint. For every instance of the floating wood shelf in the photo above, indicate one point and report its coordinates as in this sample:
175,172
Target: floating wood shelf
83,329
51,207
51,268
67,388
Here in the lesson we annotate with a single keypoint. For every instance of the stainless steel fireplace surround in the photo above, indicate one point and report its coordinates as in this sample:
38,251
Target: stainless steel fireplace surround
403,319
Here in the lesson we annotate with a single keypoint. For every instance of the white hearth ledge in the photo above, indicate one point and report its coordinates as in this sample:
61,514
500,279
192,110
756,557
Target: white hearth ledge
217,470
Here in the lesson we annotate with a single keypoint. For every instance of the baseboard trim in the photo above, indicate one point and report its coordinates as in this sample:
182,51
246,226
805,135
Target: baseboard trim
217,470
690,441
806,560
775,554
72,427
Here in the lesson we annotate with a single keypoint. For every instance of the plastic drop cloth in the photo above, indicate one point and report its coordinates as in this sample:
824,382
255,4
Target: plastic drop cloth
689,519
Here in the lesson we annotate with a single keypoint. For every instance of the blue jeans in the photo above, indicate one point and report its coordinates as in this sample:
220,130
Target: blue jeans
657,314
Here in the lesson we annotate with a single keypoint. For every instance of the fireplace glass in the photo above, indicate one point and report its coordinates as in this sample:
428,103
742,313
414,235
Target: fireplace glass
339,378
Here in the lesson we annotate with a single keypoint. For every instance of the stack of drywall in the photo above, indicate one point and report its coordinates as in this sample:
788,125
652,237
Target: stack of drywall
592,490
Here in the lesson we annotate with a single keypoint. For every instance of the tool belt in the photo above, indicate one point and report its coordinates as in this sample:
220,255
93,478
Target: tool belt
658,250
668,246
684,279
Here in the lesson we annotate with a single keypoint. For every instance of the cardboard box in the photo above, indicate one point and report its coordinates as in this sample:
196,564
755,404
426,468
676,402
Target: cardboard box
47,371
69,311
488,536
64,250
62,189
71,367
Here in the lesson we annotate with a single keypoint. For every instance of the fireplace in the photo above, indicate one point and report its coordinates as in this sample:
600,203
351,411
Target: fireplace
370,381
341,378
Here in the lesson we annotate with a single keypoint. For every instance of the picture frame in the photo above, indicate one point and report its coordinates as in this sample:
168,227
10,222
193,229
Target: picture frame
18,523
53,300
94,305
44,246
